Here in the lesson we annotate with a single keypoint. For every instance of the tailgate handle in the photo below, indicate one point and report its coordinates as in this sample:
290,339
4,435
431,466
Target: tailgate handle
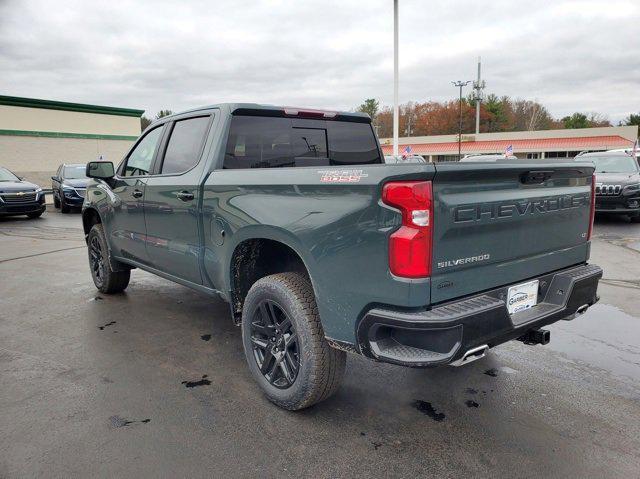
536,177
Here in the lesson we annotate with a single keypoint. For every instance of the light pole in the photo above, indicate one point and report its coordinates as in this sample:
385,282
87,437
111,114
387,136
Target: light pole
478,87
460,84
396,112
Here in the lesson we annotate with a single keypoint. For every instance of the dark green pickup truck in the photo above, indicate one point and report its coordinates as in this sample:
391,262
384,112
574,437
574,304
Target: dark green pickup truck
293,218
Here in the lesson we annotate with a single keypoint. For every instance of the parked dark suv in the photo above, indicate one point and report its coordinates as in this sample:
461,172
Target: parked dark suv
19,197
617,183
68,186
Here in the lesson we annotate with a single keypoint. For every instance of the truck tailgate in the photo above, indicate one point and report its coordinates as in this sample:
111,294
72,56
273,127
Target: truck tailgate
497,224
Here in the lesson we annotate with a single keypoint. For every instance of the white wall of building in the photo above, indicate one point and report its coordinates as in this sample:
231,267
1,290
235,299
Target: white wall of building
38,158
36,136
41,119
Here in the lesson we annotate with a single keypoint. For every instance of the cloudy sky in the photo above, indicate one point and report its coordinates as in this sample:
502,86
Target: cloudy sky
574,55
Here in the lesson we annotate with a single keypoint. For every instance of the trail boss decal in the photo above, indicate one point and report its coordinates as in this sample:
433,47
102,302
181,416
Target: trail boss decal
341,176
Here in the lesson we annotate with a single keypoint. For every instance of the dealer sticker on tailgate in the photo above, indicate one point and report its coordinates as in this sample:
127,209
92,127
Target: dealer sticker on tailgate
522,296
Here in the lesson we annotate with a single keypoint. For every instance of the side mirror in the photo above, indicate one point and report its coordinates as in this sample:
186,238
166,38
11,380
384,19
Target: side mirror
54,178
103,170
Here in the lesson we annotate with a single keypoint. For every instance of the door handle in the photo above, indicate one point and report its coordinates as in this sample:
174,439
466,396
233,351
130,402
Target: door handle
185,196
137,194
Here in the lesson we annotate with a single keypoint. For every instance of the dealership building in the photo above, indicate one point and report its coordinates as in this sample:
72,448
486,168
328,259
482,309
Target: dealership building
526,144
38,135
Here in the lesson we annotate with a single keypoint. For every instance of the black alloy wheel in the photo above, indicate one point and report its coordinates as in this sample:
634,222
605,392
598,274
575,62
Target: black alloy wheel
275,344
96,261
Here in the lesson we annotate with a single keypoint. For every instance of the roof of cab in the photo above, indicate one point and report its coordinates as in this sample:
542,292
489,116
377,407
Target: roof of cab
256,107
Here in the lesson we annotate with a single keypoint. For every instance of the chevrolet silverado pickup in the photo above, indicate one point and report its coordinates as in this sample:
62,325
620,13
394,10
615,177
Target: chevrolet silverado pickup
320,248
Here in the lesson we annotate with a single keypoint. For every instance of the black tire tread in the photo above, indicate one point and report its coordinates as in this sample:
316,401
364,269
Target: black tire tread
328,371
114,281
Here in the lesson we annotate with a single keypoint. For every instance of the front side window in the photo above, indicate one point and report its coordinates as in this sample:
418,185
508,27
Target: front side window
139,161
185,144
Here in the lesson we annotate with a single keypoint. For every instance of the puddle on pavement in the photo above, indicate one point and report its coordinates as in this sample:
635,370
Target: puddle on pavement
194,384
604,337
117,421
427,409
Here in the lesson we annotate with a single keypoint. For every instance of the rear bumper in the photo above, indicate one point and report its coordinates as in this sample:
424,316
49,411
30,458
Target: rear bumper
443,334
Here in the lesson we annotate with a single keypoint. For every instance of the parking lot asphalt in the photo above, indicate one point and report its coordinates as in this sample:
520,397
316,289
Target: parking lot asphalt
153,383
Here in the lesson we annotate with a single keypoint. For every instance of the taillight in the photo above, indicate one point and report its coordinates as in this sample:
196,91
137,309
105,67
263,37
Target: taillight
410,245
593,206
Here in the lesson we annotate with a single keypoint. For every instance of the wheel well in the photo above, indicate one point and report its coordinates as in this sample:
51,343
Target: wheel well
254,259
90,217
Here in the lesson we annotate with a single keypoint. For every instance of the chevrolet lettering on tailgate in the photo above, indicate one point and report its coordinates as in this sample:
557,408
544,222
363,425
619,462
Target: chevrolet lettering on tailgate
494,211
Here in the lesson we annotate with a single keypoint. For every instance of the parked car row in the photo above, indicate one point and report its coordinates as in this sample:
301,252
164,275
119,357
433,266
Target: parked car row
617,188
20,197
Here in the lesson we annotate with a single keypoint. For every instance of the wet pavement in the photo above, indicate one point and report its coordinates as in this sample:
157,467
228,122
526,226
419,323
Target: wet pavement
153,383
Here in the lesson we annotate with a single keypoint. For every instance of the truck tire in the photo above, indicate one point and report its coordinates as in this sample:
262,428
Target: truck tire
284,343
35,215
104,277
56,201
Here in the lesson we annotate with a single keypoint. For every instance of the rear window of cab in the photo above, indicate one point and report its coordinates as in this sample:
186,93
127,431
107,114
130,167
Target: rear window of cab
272,142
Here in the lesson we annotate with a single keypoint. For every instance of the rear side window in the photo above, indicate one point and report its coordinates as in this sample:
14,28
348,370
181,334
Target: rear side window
185,145
271,142
352,143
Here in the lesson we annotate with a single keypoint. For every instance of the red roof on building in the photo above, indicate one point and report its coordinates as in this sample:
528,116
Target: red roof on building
530,145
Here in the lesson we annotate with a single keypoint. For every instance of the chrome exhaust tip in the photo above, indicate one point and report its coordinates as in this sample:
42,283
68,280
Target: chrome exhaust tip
471,356
582,309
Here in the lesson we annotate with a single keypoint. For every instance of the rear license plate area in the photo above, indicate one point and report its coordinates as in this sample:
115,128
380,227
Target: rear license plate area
522,296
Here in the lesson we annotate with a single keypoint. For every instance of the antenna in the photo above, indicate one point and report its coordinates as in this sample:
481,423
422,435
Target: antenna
478,95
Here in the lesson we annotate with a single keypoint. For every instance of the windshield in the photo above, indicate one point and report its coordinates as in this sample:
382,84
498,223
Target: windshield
75,172
6,175
612,164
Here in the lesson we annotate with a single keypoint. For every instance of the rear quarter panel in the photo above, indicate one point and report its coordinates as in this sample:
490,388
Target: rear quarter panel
340,230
